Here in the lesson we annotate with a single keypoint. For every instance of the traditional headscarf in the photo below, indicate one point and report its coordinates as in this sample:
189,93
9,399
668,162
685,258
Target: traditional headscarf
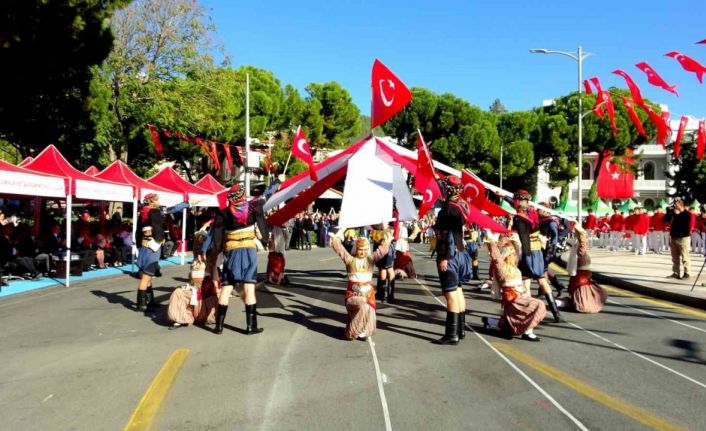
520,195
452,186
236,192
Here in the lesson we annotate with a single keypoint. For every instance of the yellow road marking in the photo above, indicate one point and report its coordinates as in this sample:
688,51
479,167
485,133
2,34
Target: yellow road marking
629,410
143,415
681,309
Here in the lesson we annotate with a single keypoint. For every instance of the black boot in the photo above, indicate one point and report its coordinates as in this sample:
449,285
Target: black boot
141,300
474,272
556,285
462,325
221,311
451,335
391,294
149,295
251,320
553,308
386,291
379,289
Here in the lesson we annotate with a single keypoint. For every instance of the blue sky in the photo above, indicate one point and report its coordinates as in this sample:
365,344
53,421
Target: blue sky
477,50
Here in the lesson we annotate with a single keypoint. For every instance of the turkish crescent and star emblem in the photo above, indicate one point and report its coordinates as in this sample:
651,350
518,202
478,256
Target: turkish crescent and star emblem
390,94
303,146
302,151
385,101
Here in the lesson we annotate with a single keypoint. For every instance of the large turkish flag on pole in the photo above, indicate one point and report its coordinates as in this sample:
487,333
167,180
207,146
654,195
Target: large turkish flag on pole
390,94
301,150
473,190
613,182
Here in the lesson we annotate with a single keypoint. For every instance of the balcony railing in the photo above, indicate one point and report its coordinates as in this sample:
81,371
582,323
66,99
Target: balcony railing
638,185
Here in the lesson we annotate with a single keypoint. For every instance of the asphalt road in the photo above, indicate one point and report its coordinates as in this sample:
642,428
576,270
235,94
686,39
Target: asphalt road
81,358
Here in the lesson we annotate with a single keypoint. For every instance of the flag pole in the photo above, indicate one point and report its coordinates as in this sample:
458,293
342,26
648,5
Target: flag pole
289,157
247,134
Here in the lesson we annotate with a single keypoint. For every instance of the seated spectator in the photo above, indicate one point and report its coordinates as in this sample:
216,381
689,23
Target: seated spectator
85,247
121,251
11,260
104,248
27,247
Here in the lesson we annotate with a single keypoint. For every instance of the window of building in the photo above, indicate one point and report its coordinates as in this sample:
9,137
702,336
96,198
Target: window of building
616,203
586,171
649,204
648,171
554,201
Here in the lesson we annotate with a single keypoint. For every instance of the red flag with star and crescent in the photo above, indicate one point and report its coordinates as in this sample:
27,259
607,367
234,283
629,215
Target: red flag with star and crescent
302,151
654,78
424,177
614,182
634,89
229,158
659,123
156,139
587,86
597,107
633,115
680,134
689,64
390,94
701,140
473,190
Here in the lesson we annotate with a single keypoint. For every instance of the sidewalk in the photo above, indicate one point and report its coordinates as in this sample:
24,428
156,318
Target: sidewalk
647,275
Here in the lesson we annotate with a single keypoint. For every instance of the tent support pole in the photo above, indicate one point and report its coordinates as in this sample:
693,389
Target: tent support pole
68,238
133,249
183,236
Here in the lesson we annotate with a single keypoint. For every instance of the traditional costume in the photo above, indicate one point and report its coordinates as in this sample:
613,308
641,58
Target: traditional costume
451,252
386,264
404,266
521,312
275,258
549,228
234,231
584,295
150,236
360,295
193,303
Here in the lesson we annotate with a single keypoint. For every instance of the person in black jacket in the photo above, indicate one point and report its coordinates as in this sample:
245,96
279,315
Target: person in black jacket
150,236
234,231
680,242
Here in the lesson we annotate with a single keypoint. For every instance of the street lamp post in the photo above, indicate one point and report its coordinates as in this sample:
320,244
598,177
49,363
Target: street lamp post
578,57
501,165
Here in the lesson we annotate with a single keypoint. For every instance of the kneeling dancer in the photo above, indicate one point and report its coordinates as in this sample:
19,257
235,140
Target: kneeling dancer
234,231
360,295
453,262
193,303
584,295
275,258
521,312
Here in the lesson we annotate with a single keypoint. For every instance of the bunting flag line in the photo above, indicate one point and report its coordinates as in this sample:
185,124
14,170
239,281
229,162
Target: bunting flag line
611,112
680,134
214,155
656,80
703,42
155,138
390,94
634,89
701,140
229,159
633,115
689,64
658,121
424,177
302,151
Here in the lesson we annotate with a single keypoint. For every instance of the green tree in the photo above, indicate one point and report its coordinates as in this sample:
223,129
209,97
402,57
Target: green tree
47,49
340,116
497,107
688,173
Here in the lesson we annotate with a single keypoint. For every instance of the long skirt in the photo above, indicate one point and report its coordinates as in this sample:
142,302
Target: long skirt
584,295
361,318
275,267
524,313
180,310
404,262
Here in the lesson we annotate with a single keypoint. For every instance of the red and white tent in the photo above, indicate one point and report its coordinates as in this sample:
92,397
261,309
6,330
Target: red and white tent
170,179
25,161
211,184
119,172
50,161
19,181
91,170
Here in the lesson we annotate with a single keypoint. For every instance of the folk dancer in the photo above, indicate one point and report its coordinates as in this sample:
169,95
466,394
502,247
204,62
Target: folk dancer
150,236
584,295
531,264
360,295
521,312
549,228
235,229
385,265
275,258
453,263
193,303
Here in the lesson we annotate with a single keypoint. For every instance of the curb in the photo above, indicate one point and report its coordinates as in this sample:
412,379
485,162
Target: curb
679,298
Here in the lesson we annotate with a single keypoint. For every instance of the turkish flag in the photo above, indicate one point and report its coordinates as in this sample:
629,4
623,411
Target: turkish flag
390,94
301,150
214,155
613,183
485,221
680,134
654,79
702,41
598,110
659,123
587,86
229,158
155,138
473,190
611,111
424,177
701,140
634,89
689,64
633,115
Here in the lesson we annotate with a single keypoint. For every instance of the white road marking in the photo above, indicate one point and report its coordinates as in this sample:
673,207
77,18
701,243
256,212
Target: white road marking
556,404
383,400
657,315
50,396
641,356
